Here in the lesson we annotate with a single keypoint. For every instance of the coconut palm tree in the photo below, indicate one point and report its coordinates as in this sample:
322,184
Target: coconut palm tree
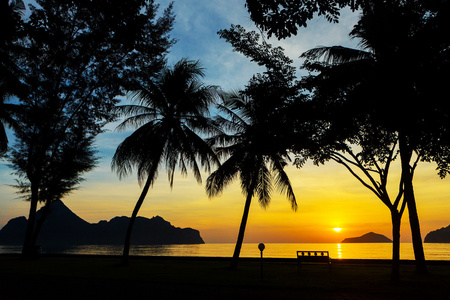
254,154
169,115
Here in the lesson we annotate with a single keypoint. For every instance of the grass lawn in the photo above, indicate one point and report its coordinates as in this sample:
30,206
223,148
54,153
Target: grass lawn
104,278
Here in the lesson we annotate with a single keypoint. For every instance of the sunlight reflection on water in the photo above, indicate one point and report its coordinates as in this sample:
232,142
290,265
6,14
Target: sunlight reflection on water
343,251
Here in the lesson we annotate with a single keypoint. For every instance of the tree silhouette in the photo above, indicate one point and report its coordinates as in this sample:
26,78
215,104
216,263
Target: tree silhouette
170,114
75,157
282,18
78,57
254,129
382,89
253,156
409,40
366,151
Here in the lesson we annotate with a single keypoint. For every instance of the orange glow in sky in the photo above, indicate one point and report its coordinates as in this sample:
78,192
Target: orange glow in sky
328,197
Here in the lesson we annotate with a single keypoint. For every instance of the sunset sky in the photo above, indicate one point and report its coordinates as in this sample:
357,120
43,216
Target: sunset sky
328,196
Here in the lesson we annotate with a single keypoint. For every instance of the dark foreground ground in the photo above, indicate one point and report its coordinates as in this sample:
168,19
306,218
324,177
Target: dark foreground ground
75,277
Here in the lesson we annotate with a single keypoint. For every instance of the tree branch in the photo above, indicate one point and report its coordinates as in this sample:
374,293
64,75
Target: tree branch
342,162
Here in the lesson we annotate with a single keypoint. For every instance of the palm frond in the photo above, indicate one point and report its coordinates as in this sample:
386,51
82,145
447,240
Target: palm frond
336,55
223,176
263,185
189,68
203,125
138,116
282,182
140,151
152,96
169,114
136,122
231,124
201,149
132,110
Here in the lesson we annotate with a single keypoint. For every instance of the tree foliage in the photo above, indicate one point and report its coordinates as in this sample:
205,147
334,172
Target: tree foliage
253,143
282,18
75,65
171,116
78,57
386,95
393,83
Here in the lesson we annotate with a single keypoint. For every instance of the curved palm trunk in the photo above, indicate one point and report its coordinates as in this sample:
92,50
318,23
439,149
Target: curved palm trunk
126,248
240,239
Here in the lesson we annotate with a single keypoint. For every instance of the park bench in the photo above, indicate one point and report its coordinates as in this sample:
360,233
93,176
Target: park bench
313,257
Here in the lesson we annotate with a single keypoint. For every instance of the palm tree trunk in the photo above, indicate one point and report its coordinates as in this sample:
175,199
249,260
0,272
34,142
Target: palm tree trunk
240,239
126,248
396,221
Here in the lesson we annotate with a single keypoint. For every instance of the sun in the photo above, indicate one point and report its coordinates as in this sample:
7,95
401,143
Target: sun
337,229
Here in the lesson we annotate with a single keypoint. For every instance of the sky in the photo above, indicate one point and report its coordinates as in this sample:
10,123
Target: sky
328,196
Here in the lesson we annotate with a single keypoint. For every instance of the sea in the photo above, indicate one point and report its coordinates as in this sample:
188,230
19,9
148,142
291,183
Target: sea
272,250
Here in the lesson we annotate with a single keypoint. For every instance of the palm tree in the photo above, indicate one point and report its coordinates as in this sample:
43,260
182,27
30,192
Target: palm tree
169,114
254,155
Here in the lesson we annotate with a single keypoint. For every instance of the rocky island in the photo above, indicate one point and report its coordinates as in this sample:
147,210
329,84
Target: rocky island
62,227
370,237
438,236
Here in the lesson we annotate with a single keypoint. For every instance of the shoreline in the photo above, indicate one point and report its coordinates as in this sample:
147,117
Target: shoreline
225,259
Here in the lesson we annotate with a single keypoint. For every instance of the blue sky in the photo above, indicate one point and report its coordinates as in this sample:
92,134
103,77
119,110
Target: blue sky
102,196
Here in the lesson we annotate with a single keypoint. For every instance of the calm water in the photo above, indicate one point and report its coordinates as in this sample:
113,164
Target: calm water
351,251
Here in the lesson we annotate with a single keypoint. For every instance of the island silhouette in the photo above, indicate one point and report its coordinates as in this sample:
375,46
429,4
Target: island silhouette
438,236
62,227
370,237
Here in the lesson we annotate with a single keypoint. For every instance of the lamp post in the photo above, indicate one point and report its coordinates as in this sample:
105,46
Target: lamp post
261,248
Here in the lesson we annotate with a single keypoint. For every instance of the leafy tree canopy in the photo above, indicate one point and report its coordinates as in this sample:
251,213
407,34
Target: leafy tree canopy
394,84
282,18
79,56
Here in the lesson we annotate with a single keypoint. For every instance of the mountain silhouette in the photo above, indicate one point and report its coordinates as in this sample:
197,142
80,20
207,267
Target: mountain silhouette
438,236
62,227
370,237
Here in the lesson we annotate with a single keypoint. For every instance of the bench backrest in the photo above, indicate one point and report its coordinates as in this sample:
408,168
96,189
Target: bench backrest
313,255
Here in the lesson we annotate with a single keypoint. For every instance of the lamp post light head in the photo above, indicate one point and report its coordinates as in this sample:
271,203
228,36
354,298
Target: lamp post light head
261,247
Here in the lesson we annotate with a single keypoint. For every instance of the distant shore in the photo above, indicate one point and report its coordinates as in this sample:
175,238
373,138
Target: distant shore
378,251
103,277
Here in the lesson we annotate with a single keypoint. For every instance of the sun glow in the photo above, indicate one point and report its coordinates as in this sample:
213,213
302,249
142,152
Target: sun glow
337,229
